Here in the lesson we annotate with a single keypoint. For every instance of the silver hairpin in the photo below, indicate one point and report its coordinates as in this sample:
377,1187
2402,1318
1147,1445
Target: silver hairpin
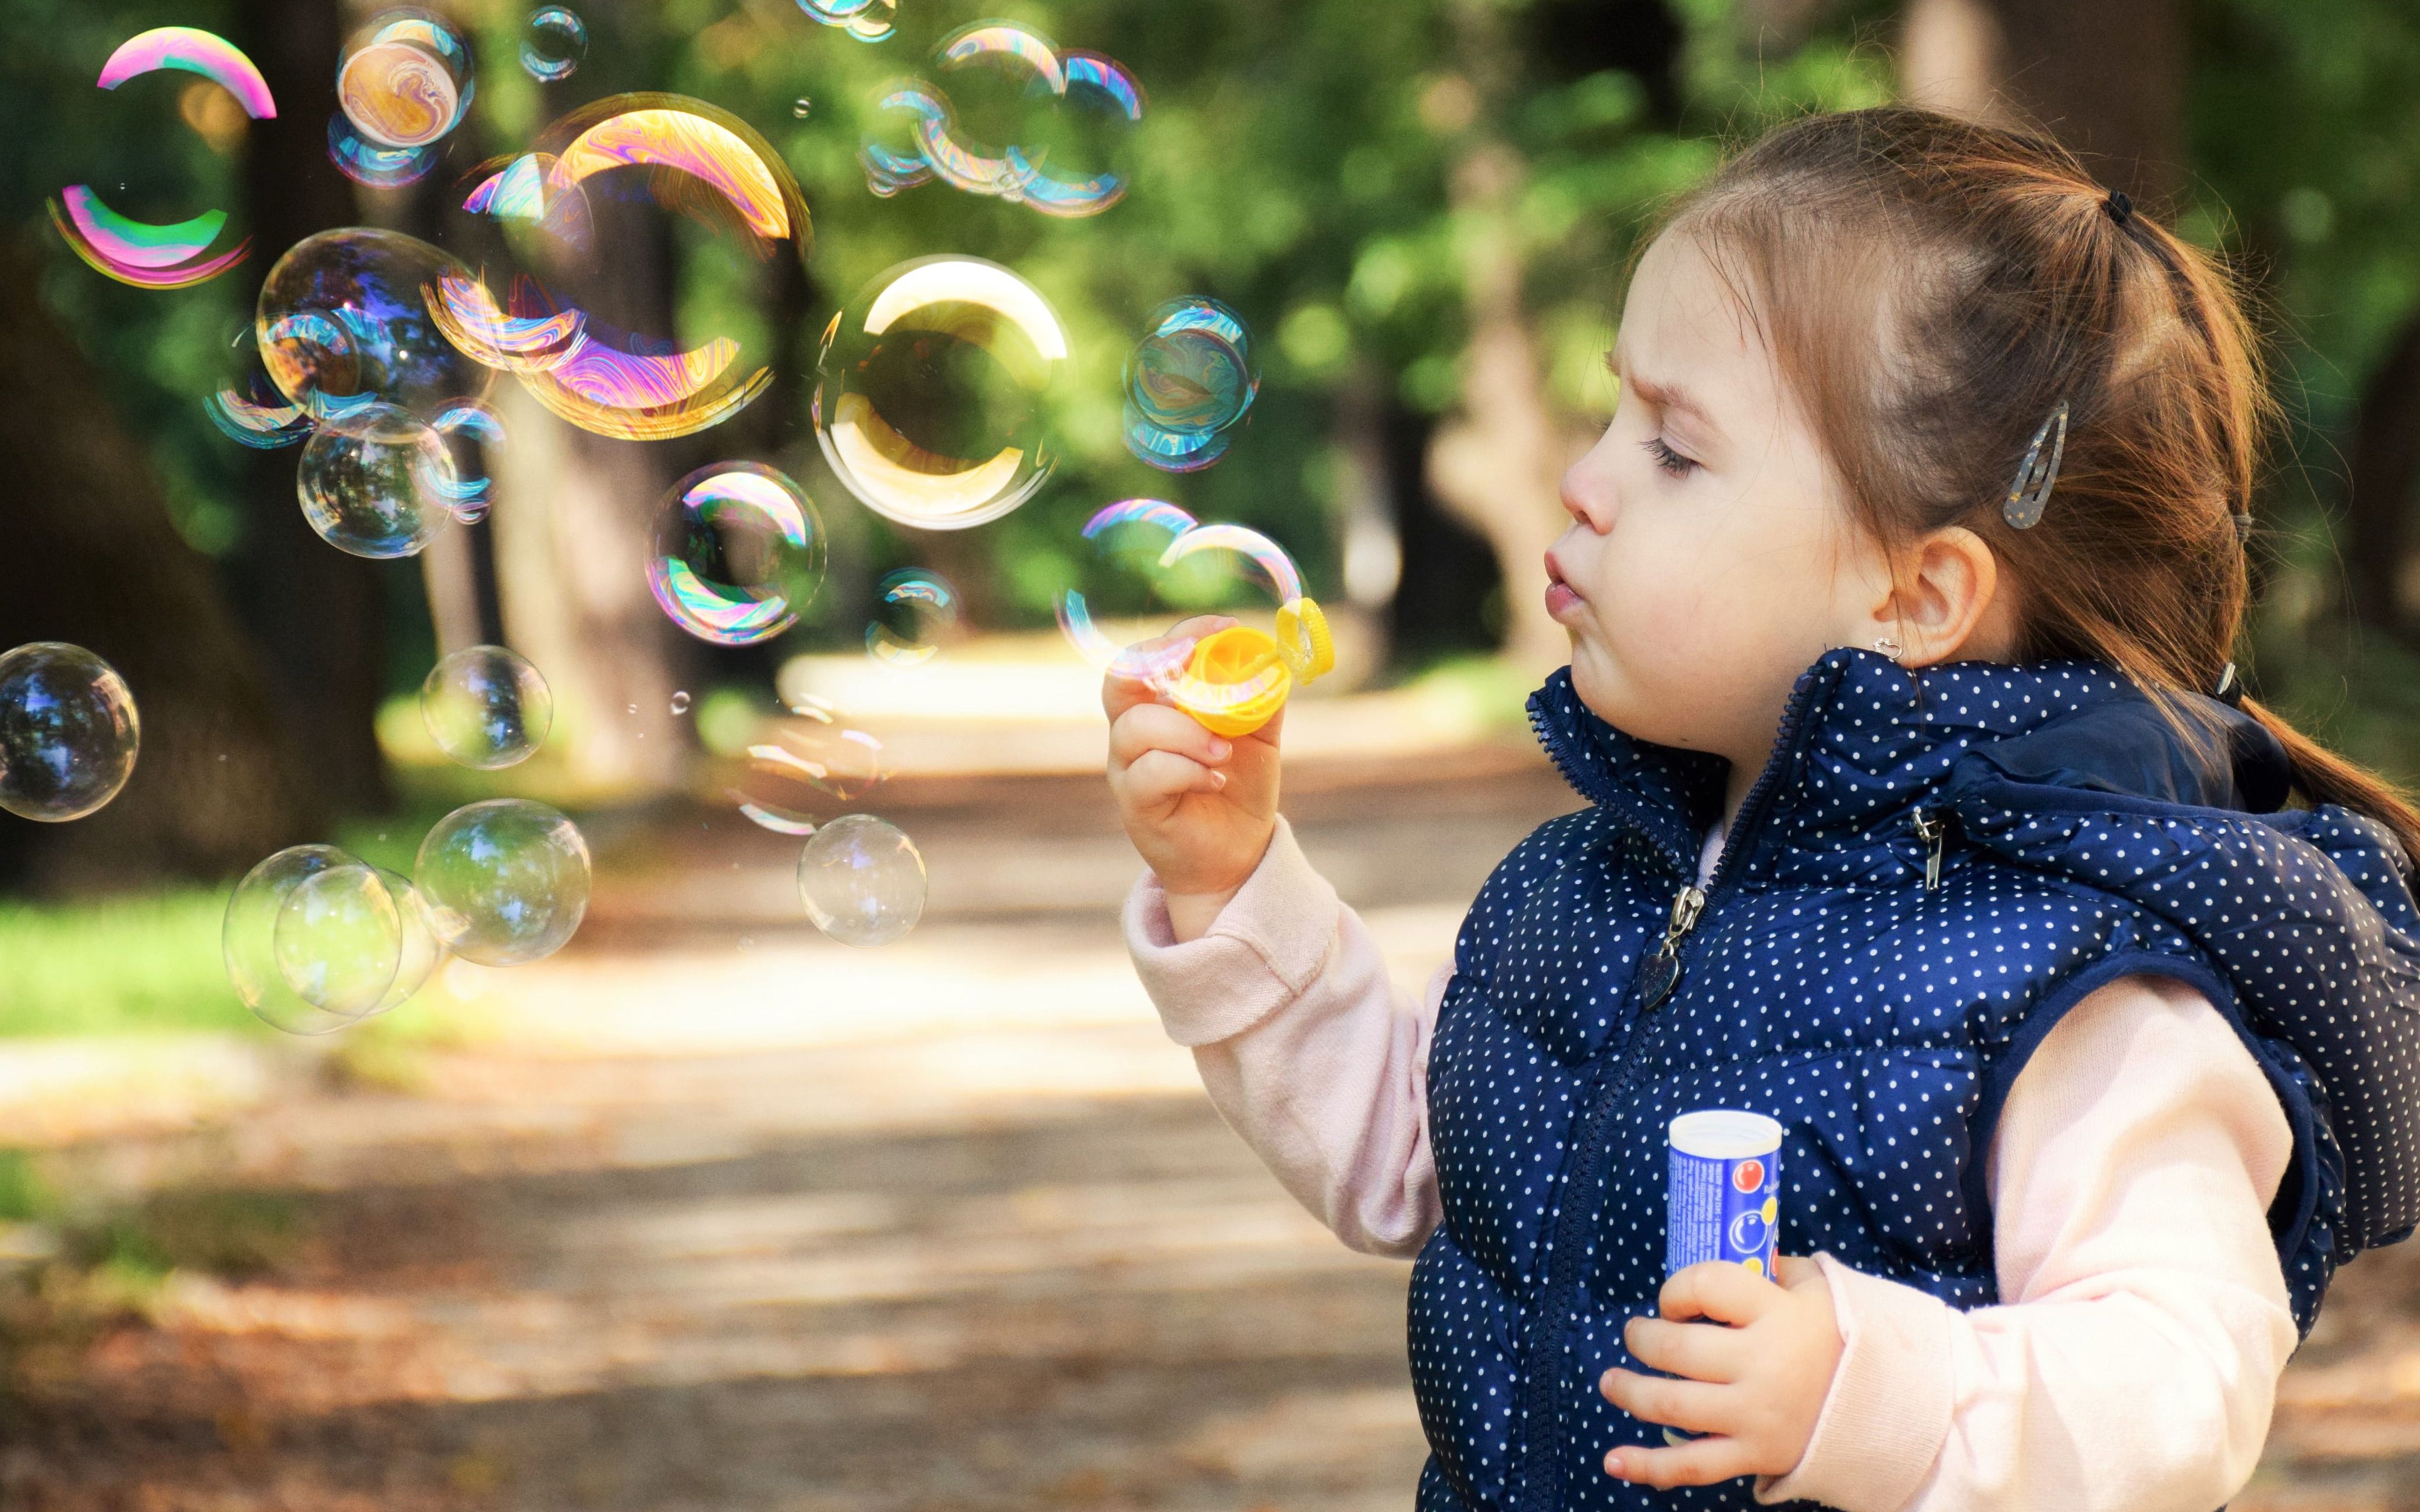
2035,475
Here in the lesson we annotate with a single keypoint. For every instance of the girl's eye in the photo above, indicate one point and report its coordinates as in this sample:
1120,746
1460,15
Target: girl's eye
1670,460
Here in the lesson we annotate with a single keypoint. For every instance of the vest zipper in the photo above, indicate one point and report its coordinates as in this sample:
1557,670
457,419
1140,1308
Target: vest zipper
1541,1463
1932,828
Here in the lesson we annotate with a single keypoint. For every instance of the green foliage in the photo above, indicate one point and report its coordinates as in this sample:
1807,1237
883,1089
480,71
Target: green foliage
121,966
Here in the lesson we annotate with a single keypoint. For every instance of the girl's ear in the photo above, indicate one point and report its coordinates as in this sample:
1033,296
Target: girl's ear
1947,603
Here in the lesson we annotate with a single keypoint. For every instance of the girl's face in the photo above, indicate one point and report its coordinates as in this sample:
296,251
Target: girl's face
1708,561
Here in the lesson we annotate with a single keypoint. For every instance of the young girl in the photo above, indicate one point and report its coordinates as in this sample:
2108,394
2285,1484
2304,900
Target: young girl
2094,1059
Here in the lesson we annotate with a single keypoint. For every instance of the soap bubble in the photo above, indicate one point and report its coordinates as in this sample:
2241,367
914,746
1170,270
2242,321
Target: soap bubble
376,483
506,880
343,321
554,41
920,608
933,390
406,80
1187,383
339,940
863,881
793,768
802,108
467,488
1133,532
739,552
868,21
485,707
680,702
248,408
613,171
248,939
68,732
374,163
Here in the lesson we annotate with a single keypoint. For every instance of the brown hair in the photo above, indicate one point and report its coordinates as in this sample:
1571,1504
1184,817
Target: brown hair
1932,289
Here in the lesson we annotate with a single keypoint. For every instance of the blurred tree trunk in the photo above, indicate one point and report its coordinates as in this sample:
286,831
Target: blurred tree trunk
90,558
319,613
2108,80
2380,485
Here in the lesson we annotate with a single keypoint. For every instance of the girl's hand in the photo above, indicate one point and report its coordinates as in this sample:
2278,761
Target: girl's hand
1757,1386
1200,809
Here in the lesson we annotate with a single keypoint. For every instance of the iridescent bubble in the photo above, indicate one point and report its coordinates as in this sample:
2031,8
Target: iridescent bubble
506,880
1135,532
861,880
248,408
406,80
1187,383
375,483
919,611
802,108
68,732
195,51
554,41
1035,172
793,771
933,386
343,321
485,707
868,21
248,938
633,155
739,552
468,486
375,165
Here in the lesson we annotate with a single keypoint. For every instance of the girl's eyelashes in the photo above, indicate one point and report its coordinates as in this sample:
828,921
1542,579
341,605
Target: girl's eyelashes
1672,462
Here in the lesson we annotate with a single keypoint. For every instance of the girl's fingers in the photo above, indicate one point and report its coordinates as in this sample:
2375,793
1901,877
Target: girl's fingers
1700,1463
1157,776
1119,694
1695,1405
1718,1289
1149,727
1701,1351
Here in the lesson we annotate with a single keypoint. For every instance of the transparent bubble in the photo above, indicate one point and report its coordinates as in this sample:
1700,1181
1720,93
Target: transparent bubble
376,483
798,770
506,880
485,707
868,21
1187,383
803,107
738,552
622,170
248,408
680,702
355,940
1132,534
68,732
919,613
373,163
933,390
343,322
405,81
148,254
248,938
863,881
554,41
469,432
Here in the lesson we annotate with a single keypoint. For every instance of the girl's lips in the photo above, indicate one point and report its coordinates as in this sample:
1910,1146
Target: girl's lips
1560,597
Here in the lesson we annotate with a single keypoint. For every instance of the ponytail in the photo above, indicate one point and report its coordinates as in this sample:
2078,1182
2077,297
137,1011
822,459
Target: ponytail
2321,776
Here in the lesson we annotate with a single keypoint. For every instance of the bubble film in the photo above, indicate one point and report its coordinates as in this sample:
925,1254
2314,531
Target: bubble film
863,881
1136,532
738,551
343,321
868,21
372,164
68,732
376,483
485,707
248,938
506,881
249,409
195,51
919,611
465,487
800,768
933,389
405,82
338,940
1187,383
554,41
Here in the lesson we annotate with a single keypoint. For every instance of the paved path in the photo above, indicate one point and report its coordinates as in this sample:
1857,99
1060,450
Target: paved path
720,1216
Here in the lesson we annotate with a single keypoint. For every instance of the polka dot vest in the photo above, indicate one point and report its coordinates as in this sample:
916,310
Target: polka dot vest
1882,1016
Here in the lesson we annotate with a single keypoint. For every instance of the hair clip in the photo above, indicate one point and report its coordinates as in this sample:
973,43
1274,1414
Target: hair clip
2242,527
2037,472
2230,691
2119,205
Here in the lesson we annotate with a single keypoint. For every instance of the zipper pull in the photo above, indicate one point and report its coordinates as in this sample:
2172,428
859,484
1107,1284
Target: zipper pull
1934,829
1661,970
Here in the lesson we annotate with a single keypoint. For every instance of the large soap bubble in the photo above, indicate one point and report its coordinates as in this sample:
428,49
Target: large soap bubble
68,732
1132,532
506,880
738,551
314,939
1188,383
934,389
248,939
569,208
374,164
861,880
376,483
343,322
247,408
406,80
485,707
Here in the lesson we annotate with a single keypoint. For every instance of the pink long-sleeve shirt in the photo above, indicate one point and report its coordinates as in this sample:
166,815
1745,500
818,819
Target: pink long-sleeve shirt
2135,1360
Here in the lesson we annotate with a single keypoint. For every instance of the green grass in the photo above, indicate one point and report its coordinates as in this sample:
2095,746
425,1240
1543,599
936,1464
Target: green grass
122,965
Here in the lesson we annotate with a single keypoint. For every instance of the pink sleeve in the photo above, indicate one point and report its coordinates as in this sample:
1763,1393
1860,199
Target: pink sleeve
2135,1360
1304,1045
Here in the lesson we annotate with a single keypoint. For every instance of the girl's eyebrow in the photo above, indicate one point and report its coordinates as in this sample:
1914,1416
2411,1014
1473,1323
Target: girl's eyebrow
1665,396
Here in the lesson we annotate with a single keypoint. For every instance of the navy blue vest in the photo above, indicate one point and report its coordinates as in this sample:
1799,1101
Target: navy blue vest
1881,1019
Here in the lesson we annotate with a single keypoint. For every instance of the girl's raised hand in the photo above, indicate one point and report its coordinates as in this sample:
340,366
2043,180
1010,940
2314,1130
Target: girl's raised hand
1200,808
1755,1388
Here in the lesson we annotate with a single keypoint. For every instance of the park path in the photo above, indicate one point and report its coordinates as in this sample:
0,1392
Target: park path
711,1215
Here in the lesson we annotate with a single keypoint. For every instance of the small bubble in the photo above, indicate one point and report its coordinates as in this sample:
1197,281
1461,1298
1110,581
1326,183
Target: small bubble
803,107
746,944
632,709
680,702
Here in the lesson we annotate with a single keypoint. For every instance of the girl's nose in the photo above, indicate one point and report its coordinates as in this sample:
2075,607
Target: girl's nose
1587,496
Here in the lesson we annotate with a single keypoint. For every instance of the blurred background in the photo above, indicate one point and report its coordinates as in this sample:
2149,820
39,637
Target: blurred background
710,1211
